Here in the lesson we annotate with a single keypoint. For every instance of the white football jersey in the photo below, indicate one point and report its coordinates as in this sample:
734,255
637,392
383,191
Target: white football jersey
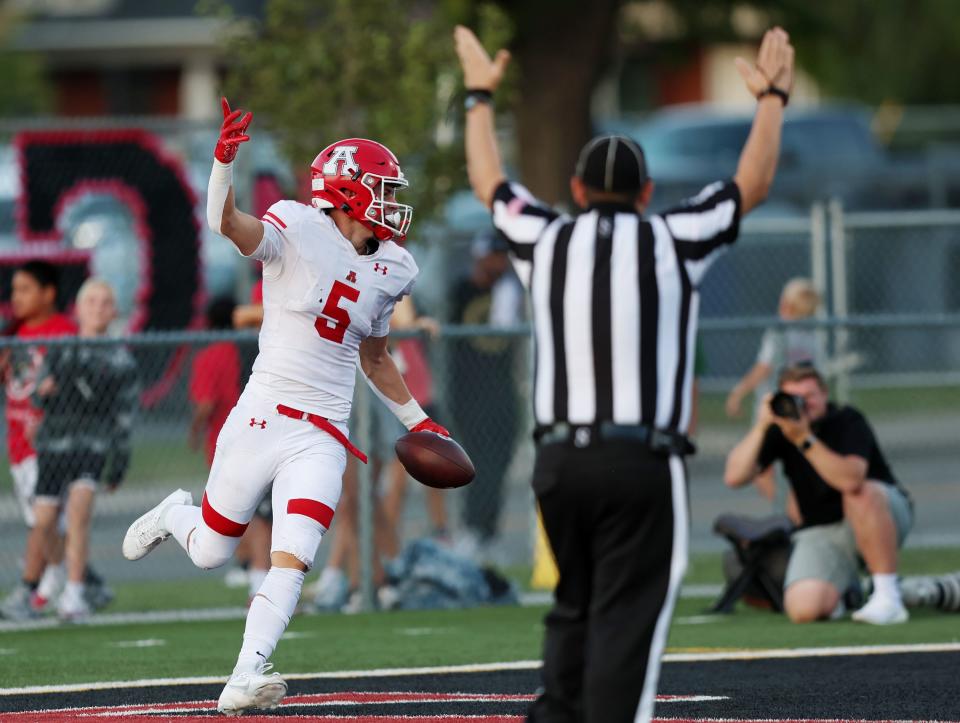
320,300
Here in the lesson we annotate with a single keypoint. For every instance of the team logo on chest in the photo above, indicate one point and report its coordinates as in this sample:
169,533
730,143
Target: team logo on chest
381,268
352,277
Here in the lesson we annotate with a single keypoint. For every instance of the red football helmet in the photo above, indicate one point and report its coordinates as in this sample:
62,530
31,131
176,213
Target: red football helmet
361,178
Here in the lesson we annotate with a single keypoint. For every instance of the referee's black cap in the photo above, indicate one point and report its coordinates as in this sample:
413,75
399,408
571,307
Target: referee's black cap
614,164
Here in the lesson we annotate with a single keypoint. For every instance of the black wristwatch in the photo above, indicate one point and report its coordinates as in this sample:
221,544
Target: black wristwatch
807,443
783,95
475,96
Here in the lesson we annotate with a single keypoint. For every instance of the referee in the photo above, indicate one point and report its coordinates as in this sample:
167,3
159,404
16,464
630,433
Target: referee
615,302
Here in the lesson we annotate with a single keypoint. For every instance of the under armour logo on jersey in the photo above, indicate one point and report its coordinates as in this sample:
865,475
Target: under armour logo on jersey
352,277
381,269
341,155
262,423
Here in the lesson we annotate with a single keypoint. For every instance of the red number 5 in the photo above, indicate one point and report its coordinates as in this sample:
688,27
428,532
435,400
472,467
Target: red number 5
338,319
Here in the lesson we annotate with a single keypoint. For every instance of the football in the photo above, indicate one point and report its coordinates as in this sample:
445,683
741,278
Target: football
435,460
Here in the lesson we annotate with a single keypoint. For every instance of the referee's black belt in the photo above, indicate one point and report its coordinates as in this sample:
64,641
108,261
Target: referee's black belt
659,441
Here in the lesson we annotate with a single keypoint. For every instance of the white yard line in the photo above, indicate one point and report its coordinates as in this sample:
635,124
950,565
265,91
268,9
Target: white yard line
158,616
495,667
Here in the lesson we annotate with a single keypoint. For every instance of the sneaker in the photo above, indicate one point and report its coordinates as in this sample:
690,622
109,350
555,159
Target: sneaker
332,591
148,531
919,592
236,577
246,691
73,607
96,591
882,611
38,603
16,605
98,596
388,597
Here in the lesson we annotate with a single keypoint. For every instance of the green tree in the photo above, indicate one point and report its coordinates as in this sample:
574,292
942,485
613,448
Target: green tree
381,69
24,88
890,51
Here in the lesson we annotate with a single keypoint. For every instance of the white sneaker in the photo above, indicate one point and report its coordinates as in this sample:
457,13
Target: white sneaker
882,611
245,691
331,592
148,531
73,607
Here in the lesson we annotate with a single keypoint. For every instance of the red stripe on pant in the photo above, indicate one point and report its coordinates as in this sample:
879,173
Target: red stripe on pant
218,523
312,509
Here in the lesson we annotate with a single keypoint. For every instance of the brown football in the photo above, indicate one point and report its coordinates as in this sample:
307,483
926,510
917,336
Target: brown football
435,460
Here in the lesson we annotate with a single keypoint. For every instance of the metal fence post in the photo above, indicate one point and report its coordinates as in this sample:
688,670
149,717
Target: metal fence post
839,293
818,267
363,401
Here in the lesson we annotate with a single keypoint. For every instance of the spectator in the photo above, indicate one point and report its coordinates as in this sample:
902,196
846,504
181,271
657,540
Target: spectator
214,390
780,347
483,394
411,358
33,300
250,316
89,395
336,588
849,502
214,381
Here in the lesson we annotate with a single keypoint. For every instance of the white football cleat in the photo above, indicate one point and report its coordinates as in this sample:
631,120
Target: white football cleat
246,691
148,531
882,611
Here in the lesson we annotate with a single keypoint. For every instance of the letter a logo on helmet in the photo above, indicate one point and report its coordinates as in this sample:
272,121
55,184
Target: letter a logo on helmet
361,178
342,156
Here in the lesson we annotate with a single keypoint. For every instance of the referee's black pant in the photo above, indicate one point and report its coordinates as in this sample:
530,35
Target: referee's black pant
616,517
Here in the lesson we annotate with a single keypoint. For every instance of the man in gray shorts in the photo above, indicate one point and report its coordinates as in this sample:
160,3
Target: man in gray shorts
851,506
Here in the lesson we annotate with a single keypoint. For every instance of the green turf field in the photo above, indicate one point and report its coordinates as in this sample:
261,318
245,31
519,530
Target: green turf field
401,639
390,640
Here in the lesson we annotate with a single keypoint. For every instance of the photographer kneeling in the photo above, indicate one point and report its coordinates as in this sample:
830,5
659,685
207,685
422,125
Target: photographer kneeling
848,499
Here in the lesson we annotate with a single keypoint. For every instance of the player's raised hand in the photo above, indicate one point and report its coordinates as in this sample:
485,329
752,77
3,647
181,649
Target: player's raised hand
480,72
774,66
233,132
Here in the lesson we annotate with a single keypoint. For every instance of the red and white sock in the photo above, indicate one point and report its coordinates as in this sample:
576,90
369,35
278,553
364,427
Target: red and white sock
268,617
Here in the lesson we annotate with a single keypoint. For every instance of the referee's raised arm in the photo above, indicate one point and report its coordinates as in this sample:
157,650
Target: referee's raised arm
481,76
770,82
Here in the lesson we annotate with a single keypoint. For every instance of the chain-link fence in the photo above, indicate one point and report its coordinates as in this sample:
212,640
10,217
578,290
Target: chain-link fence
889,326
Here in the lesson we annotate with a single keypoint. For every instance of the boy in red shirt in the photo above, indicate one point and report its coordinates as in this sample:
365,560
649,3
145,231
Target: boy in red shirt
214,381
33,300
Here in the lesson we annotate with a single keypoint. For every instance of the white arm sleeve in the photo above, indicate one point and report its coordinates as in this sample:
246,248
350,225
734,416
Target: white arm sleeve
409,414
221,178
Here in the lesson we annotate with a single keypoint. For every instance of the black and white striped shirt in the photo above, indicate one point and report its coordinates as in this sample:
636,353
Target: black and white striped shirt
615,302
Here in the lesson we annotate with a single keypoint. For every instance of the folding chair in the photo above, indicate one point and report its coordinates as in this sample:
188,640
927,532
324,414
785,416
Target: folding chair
752,538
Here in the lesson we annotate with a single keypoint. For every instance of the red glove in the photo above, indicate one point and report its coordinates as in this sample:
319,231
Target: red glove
428,425
232,133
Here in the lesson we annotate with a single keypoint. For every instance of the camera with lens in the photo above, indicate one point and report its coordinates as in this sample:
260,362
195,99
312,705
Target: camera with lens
787,406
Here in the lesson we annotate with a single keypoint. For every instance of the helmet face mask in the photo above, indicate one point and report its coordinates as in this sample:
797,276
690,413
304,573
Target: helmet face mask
384,210
361,178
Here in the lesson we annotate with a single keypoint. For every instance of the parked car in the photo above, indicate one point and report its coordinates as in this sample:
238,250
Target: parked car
827,152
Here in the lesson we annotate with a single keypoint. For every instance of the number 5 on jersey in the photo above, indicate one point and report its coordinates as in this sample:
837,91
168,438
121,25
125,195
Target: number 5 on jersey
334,326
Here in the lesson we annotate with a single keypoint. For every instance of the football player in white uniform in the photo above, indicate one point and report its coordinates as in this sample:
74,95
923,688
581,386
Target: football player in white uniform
332,274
